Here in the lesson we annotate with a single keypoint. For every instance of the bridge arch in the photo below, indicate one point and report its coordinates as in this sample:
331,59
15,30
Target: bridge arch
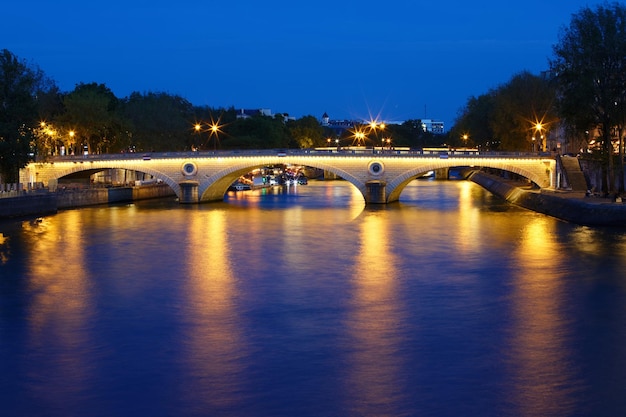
217,183
74,167
539,176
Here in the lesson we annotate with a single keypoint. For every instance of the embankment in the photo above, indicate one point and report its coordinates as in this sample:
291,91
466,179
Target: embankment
41,203
568,206
71,198
32,204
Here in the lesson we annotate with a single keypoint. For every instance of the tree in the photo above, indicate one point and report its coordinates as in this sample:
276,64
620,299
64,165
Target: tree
476,121
307,132
91,112
20,84
160,121
590,73
509,116
258,132
523,113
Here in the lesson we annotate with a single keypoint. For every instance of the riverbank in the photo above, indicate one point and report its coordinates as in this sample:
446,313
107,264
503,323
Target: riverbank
44,202
573,207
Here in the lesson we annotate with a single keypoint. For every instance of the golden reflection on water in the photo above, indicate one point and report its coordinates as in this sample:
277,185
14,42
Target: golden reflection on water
468,236
540,352
213,340
4,249
60,308
375,370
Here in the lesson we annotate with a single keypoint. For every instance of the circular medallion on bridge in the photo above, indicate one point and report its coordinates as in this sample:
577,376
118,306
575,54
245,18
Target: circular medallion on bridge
376,168
189,169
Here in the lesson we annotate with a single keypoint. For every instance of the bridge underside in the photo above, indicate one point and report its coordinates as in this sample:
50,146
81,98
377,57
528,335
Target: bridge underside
380,179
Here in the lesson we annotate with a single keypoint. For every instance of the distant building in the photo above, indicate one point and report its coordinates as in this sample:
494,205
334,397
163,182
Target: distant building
247,113
432,126
427,125
337,126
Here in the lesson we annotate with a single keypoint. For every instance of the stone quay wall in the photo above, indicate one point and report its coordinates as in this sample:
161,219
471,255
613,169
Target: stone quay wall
571,207
71,198
40,203
30,204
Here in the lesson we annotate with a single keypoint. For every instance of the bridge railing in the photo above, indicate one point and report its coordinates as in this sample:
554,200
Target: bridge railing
285,152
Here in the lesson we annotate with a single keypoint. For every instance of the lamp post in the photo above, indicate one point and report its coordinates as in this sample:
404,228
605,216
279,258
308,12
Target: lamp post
198,128
72,134
375,126
360,138
539,130
215,128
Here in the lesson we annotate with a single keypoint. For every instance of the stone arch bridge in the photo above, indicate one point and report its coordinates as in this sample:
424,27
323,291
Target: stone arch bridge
380,175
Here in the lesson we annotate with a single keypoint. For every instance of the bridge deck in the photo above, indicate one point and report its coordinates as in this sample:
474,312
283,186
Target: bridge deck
206,176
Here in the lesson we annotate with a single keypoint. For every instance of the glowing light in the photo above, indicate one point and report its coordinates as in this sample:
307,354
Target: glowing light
214,128
359,136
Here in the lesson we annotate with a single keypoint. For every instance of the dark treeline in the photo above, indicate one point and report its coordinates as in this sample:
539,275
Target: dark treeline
38,121
577,106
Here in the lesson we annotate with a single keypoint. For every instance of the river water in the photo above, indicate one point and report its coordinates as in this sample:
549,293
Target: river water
302,301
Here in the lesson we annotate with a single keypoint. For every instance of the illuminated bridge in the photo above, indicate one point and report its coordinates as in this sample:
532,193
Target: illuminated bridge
380,175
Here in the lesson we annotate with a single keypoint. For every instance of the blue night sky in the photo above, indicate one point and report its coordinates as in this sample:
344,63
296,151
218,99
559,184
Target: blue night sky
395,60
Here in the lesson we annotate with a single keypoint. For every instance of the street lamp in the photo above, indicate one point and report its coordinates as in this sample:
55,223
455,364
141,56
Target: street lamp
375,126
215,128
198,128
539,130
71,133
360,138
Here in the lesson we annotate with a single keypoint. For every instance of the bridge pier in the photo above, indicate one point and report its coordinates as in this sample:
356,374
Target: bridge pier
375,192
328,175
442,173
188,192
